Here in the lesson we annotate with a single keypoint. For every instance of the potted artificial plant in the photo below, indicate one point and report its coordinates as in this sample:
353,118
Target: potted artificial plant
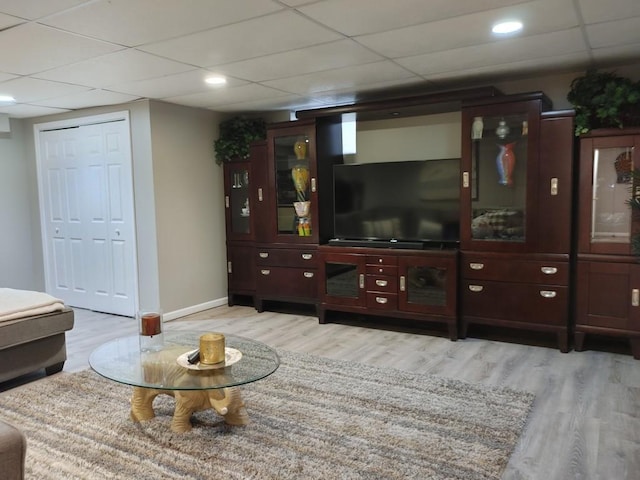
236,134
604,100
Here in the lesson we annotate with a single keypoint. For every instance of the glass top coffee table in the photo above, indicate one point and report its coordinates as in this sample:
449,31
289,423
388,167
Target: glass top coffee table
195,387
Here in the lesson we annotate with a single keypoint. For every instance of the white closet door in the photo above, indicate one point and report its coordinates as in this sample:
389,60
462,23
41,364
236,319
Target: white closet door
90,228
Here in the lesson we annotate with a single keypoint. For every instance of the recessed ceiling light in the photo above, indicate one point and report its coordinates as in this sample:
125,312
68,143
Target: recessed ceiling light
216,80
7,99
510,26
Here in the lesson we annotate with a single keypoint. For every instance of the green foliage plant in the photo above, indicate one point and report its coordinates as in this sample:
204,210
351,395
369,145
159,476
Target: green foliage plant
604,100
236,134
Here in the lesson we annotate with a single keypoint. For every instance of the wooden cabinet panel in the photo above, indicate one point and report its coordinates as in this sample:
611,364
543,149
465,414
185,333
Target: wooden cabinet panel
241,271
281,282
608,296
287,257
519,303
417,285
514,270
382,301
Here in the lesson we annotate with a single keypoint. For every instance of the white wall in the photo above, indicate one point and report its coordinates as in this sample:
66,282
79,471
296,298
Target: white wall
189,207
16,259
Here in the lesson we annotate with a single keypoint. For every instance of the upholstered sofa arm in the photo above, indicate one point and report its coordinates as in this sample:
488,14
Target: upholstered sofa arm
13,447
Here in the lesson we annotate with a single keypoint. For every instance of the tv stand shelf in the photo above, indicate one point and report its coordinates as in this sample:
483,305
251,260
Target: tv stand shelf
418,285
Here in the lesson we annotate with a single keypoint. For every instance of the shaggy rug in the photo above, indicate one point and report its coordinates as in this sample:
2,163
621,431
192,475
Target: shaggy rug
314,418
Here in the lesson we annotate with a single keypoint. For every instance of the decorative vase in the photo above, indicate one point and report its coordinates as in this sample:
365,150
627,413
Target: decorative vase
502,130
476,128
300,149
300,176
623,167
505,164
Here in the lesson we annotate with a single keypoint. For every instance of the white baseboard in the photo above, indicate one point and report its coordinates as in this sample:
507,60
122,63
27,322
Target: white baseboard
183,312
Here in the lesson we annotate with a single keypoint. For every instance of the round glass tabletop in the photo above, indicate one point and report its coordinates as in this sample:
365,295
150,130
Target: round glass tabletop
123,361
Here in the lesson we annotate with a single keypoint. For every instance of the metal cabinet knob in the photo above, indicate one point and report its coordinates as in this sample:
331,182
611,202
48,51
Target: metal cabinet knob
263,255
476,266
382,283
308,274
548,270
476,288
265,272
307,256
382,300
547,293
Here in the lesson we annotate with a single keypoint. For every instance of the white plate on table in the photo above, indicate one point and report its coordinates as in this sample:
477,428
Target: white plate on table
231,356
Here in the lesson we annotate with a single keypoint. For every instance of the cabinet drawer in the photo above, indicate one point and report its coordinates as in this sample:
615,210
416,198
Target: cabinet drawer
381,283
382,260
521,271
382,270
382,301
286,257
518,302
287,282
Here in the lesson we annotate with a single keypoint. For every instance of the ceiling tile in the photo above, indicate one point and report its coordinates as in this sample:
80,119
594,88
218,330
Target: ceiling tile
25,89
126,22
183,83
253,38
6,76
510,70
34,9
619,53
327,56
7,21
469,30
619,32
358,17
123,66
88,99
29,111
340,78
288,102
595,11
496,53
214,98
42,48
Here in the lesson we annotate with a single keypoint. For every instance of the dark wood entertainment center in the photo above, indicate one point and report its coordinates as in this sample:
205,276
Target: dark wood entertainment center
513,267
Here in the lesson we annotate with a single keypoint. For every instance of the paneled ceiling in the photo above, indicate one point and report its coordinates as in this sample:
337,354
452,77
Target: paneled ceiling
60,55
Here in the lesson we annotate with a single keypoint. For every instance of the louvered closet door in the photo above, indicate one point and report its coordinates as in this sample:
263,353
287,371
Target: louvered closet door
88,207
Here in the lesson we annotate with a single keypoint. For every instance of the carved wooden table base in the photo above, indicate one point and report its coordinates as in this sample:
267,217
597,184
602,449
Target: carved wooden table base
225,401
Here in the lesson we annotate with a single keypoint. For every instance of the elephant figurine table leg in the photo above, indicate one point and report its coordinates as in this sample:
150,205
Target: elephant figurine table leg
226,402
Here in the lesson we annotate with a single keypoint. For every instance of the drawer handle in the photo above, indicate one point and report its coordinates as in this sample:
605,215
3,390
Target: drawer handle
476,288
226,201
554,186
260,197
382,283
382,300
379,260
635,297
361,280
265,272
264,255
313,184
548,270
229,267
403,285
548,293
308,274
476,266
307,256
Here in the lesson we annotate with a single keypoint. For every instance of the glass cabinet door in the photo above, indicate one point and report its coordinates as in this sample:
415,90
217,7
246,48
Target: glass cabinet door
343,279
428,285
293,185
611,192
607,222
498,177
237,199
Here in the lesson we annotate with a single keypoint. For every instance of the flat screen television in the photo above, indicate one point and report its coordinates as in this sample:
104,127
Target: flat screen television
412,202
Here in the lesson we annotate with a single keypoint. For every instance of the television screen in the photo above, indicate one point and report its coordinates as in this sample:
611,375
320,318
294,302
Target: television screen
398,201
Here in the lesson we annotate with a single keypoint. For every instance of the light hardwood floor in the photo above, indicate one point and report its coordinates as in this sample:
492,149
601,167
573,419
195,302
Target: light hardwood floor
585,422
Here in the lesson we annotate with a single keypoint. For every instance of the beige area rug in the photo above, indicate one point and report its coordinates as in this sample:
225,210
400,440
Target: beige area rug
313,418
